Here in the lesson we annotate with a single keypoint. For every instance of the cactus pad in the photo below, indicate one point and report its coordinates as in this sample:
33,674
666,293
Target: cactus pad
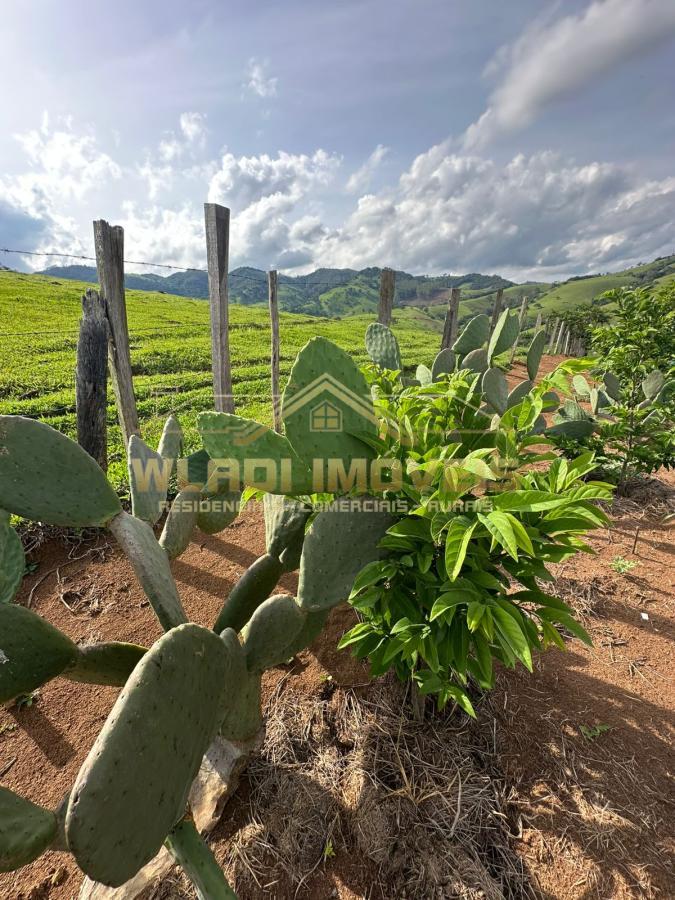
180,522
254,587
505,334
105,663
48,478
31,651
326,403
149,475
26,830
495,389
171,442
581,386
312,626
612,385
572,428
339,543
519,392
285,522
423,375
242,719
217,508
473,336
382,346
444,364
653,384
243,444
476,361
151,565
271,630
134,784
534,353
12,560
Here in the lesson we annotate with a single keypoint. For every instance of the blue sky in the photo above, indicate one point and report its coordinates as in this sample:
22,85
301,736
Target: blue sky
527,138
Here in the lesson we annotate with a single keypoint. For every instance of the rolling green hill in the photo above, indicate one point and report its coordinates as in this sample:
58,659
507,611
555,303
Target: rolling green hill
170,354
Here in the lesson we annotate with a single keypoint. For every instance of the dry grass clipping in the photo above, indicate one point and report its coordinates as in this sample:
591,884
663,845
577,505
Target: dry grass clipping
418,800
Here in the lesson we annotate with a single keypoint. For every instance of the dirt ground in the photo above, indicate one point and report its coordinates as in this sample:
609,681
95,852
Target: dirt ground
569,770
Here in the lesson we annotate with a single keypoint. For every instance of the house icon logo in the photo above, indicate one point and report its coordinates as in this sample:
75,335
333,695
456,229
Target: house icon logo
325,416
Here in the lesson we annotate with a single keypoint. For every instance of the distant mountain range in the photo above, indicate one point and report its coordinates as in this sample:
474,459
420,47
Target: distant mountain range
344,292
325,292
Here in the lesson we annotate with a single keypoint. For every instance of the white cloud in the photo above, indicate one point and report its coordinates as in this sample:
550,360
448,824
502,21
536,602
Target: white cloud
193,127
534,217
360,179
258,80
553,60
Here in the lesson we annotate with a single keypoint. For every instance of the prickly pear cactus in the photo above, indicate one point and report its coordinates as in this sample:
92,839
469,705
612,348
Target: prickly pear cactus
534,354
505,334
476,361
382,346
12,560
119,814
475,334
444,364
26,830
34,459
495,389
149,474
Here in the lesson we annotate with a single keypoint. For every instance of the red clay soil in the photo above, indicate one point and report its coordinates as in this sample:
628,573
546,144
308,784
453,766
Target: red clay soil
585,743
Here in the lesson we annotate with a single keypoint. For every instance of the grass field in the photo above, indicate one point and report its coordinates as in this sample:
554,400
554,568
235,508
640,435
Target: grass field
170,354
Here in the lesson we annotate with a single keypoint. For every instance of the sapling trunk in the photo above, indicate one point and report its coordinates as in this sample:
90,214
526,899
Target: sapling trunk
194,856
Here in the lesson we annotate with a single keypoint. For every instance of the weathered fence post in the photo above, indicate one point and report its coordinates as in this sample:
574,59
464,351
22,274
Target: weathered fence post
91,378
496,309
560,343
274,355
521,321
568,341
387,286
109,243
451,319
554,335
217,223
537,324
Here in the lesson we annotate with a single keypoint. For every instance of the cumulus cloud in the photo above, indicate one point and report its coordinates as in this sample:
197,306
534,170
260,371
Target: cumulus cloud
360,179
553,60
532,217
258,81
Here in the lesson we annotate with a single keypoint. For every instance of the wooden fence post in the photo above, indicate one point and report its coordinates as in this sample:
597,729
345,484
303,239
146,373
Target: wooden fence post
537,324
568,341
217,223
387,287
451,319
109,243
91,378
560,343
554,335
274,355
496,309
521,321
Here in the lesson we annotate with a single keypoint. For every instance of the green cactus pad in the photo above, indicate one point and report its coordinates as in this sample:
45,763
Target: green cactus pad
171,442
519,392
194,470
149,475
31,651
444,364
151,565
313,624
217,508
180,522
382,346
572,410
326,403
476,361
572,428
242,718
653,384
242,445
285,522
194,856
505,334
12,560
599,400
474,335
105,663
339,543
581,386
495,389
26,830
252,589
134,784
423,375
271,630
534,354
48,478
612,385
